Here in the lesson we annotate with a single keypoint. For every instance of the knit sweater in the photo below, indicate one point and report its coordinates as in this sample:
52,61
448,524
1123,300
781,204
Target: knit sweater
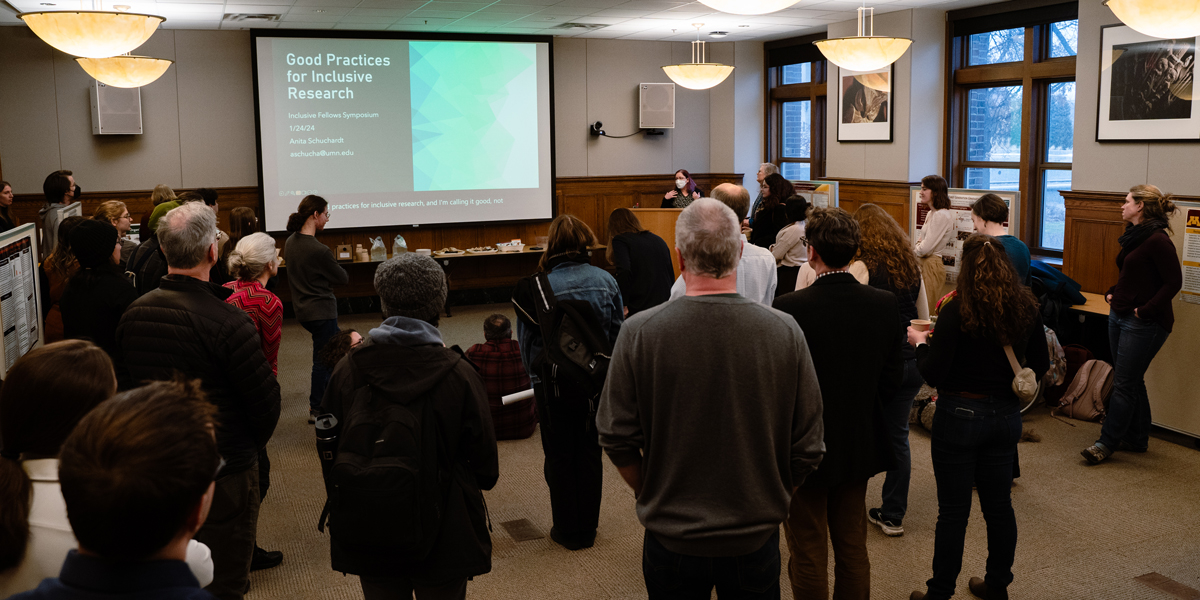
724,431
1150,277
312,271
267,312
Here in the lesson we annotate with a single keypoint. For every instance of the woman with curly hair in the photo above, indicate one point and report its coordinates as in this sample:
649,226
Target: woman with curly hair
892,266
771,215
934,235
993,321
1140,317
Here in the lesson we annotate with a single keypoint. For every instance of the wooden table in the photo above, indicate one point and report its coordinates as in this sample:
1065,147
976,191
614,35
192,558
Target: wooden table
1095,304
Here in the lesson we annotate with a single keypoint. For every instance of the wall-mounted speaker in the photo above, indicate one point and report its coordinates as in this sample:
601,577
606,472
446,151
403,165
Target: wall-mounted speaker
656,105
116,111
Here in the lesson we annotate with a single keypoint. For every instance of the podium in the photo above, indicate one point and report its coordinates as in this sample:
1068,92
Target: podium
661,222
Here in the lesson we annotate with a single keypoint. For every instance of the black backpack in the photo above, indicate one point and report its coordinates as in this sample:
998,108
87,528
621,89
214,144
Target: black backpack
389,482
576,351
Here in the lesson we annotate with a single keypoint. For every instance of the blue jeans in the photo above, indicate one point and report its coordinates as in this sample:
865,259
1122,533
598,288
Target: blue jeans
1133,342
896,412
672,576
973,443
322,332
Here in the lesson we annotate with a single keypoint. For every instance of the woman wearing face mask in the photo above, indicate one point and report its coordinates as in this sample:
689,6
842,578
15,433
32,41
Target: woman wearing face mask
684,193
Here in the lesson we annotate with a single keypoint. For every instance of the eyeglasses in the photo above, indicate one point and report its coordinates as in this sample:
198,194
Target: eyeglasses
804,240
126,216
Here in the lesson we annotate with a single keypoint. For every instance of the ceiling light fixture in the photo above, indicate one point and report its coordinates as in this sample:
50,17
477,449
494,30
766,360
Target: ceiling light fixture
125,71
718,34
92,33
865,51
698,75
748,7
1166,19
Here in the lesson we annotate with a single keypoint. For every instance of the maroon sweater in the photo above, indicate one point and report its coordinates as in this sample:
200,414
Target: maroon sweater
1150,278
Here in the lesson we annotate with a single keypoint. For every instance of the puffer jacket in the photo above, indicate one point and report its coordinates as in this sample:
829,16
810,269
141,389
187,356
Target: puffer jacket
185,326
404,359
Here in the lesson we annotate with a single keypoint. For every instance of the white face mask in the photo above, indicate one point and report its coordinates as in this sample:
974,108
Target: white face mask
679,183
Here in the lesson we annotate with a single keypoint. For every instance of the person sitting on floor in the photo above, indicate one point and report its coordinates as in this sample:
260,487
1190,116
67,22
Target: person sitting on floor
499,362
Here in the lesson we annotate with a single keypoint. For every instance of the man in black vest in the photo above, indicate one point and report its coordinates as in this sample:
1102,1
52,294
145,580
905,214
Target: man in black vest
851,332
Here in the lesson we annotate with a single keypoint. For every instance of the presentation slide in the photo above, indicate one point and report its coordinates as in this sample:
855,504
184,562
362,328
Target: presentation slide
405,131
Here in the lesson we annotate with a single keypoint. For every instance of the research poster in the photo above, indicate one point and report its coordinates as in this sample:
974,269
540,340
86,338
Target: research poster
960,205
405,132
1191,258
18,299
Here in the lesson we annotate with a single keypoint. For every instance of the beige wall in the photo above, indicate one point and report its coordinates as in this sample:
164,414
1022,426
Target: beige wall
1115,166
198,118
917,103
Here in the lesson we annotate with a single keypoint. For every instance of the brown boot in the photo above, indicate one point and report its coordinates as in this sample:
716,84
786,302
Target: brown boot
980,589
916,596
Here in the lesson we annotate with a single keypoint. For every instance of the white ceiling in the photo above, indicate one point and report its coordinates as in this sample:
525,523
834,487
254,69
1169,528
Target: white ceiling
622,19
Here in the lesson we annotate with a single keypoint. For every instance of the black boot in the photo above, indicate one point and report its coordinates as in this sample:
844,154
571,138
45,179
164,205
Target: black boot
264,559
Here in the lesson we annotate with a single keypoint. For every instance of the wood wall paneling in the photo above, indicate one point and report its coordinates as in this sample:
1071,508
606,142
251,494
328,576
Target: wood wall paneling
891,196
1090,245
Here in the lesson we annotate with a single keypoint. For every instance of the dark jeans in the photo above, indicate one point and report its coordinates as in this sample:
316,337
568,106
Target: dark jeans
230,531
973,443
672,576
1133,342
817,519
573,468
395,588
321,332
895,416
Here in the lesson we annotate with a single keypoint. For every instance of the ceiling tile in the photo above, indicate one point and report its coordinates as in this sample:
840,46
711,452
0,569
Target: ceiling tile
363,26
304,25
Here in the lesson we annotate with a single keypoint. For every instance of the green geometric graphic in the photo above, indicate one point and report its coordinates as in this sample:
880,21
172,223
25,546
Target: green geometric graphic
474,115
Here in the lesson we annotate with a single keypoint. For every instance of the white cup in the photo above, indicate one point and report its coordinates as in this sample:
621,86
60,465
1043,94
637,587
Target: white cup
424,251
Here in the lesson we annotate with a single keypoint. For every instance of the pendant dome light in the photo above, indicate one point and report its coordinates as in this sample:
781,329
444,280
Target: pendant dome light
1166,19
865,51
125,71
698,75
92,33
748,7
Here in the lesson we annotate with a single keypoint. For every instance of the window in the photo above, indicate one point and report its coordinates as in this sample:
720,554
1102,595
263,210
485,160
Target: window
796,111
1013,108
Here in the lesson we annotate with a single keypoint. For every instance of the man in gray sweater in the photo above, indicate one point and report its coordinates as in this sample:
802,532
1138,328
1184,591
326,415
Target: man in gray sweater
712,414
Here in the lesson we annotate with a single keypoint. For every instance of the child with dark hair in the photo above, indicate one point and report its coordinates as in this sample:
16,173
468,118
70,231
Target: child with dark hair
499,362
339,346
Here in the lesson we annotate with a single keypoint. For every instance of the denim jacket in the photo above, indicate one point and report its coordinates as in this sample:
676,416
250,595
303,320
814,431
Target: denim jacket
573,280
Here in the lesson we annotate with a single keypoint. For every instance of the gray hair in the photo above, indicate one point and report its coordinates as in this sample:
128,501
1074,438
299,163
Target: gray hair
186,233
768,168
253,253
708,237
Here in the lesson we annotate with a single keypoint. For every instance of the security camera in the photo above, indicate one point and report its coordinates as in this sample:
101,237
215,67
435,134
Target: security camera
596,128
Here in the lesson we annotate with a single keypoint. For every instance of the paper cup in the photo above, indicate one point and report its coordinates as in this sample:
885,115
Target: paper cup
920,324
424,251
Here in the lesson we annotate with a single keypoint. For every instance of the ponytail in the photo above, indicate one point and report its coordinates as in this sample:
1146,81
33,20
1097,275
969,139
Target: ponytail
1156,205
309,206
16,495
254,253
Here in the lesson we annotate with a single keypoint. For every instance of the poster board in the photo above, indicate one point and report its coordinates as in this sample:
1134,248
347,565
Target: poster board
20,295
960,206
820,194
1171,380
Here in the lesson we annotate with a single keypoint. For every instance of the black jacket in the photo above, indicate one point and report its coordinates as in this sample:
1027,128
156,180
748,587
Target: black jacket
851,333
644,270
92,306
148,265
463,547
185,326
767,224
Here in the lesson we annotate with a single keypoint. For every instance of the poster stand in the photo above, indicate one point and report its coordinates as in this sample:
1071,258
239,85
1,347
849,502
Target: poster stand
820,194
960,205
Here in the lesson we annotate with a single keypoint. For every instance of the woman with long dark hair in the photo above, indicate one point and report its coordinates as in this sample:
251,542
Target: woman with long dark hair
312,273
685,192
978,420
55,271
790,248
771,215
242,222
643,261
892,266
1140,317
573,469
7,219
935,233
98,293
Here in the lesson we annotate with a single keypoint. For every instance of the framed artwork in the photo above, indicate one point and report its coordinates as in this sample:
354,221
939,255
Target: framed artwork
960,206
1146,87
864,104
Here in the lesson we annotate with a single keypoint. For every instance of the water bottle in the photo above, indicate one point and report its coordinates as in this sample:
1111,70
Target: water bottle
327,428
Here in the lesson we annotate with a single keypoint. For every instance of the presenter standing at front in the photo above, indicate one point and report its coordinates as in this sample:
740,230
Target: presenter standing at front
685,192
312,273
934,235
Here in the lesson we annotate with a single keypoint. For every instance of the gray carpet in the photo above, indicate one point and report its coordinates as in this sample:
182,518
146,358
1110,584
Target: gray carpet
1085,532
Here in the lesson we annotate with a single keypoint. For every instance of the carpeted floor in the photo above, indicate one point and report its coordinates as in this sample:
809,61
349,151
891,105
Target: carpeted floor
1085,532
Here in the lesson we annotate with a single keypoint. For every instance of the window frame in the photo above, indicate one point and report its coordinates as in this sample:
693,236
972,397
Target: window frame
1034,74
815,92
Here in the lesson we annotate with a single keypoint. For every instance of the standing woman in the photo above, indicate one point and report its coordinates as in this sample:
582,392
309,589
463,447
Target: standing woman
978,420
573,469
55,271
686,191
643,261
790,249
1140,317
312,273
892,266
162,193
771,215
117,214
7,219
98,293
934,235
242,222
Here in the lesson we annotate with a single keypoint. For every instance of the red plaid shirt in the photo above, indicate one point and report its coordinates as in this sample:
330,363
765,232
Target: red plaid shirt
500,365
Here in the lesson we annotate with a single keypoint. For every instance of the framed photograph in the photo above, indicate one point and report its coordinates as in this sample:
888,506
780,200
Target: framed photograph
1146,87
865,105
